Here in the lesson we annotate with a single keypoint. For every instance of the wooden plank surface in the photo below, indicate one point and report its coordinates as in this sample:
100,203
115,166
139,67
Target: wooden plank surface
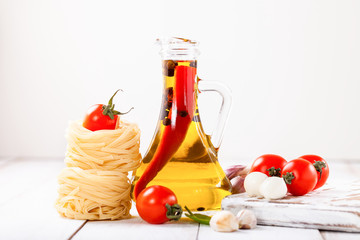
339,235
335,206
345,170
5,160
261,232
28,190
136,228
19,176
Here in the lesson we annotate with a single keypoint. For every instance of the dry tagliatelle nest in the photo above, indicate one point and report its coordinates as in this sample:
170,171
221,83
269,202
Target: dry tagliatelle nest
95,185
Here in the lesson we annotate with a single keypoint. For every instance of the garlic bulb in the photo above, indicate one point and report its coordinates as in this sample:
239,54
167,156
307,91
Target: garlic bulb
247,219
237,185
224,221
237,170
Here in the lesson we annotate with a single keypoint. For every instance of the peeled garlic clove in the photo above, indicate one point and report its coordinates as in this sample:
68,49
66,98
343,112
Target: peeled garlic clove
224,221
247,219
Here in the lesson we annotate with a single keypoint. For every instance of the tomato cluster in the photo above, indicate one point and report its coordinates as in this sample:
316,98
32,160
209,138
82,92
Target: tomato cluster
301,175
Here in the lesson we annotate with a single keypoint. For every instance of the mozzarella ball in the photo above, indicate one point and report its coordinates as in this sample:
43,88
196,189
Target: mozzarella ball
252,183
273,188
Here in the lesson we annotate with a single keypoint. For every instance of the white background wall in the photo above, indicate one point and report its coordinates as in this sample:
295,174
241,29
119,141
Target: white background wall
293,67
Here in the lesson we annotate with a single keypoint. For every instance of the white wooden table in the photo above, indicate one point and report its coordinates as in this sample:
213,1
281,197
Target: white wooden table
28,189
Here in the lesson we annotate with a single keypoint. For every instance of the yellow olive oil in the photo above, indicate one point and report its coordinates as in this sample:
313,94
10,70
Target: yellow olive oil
193,173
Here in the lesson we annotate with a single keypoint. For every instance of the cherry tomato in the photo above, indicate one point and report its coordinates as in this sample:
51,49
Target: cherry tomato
321,167
300,176
270,164
100,116
95,119
157,204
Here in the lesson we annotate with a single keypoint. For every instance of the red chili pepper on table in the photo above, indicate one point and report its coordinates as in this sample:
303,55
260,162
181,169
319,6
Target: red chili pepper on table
181,115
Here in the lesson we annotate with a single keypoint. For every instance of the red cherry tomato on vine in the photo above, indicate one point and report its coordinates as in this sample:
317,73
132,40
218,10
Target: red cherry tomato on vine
300,176
95,119
270,164
321,167
100,116
157,204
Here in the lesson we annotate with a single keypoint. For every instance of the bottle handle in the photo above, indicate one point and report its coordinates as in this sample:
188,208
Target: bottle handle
225,93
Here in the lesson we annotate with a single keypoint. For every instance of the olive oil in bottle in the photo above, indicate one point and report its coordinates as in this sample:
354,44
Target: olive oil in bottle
193,172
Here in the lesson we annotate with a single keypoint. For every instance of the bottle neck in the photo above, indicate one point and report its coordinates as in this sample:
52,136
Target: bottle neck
178,49
179,55
169,70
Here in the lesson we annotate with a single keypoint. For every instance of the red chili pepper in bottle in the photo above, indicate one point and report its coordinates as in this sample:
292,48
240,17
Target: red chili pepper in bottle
181,115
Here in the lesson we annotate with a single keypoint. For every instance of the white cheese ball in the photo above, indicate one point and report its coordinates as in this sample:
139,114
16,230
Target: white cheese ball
252,183
273,188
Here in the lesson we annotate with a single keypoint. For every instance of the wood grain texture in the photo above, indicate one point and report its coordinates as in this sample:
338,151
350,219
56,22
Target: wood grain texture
19,176
136,228
28,189
261,232
331,208
339,235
